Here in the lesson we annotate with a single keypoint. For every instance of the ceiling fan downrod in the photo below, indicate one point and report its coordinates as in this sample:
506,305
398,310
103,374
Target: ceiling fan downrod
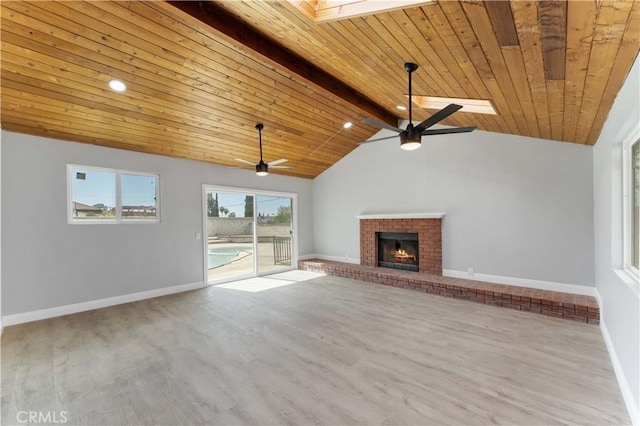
410,67
262,169
410,139
260,126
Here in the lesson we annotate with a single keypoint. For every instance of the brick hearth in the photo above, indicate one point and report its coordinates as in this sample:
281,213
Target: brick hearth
573,307
429,240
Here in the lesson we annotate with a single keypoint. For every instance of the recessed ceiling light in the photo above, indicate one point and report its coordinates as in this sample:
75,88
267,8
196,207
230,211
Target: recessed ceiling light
478,106
347,125
402,107
117,85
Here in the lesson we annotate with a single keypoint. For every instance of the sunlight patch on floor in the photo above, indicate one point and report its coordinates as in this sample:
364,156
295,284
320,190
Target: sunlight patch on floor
297,275
254,285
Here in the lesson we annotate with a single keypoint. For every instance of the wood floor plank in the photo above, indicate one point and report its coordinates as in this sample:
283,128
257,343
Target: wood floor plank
323,350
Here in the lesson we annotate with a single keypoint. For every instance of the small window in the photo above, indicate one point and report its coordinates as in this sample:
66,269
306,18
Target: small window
632,208
99,195
139,200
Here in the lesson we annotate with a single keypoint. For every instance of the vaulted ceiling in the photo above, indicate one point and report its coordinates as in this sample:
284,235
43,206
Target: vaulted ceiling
200,75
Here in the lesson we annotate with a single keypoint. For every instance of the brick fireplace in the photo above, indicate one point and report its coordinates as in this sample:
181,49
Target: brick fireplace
427,226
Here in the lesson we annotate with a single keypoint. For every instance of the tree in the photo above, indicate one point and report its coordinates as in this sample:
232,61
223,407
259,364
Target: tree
248,206
283,215
212,205
232,214
223,211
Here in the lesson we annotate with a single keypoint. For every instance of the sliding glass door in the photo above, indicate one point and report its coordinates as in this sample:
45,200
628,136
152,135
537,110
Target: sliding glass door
275,233
229,230
248,233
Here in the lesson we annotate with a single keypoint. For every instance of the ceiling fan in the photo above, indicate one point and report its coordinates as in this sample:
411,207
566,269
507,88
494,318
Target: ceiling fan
410,138
262,168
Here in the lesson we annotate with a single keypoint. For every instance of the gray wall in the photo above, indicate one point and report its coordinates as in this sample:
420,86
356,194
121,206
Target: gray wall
620,304
515,206
1,326
49,263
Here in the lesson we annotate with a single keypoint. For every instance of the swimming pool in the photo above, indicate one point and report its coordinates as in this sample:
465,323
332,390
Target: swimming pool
220,256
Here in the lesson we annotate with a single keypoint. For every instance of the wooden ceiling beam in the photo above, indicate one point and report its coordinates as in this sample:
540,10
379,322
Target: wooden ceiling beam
225,23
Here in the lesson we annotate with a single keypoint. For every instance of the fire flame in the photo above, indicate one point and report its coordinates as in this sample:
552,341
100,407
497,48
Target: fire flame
402,256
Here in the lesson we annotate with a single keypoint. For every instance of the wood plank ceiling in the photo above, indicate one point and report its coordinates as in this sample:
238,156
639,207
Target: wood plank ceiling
200,75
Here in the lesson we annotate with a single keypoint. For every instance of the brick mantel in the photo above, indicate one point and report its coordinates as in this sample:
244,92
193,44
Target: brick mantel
428,226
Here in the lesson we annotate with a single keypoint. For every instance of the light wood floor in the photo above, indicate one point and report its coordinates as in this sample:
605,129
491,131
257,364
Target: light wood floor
326,350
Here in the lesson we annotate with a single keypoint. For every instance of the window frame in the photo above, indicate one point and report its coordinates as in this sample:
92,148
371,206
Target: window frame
118,195
627,205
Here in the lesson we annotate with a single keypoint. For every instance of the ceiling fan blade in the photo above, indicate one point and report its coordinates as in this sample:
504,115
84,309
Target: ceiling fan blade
245,161
378,140
447,131
273,163
381,125
281,167
438,116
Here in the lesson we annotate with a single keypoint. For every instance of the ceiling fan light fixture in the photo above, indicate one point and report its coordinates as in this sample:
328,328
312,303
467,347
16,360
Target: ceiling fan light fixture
262,169
410,145
410,141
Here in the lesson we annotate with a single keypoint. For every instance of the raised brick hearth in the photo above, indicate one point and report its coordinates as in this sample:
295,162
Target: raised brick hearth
429,240
550,303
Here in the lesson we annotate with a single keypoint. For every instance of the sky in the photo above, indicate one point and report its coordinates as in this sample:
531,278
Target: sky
267,205
99,187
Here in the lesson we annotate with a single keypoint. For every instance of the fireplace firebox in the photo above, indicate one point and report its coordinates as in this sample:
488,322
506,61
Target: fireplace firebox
398,250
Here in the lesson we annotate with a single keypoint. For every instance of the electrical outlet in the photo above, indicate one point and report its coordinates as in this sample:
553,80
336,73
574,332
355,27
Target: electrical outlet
198,236
470,271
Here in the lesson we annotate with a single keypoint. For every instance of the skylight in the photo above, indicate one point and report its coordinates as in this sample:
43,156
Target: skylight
334,10
476,106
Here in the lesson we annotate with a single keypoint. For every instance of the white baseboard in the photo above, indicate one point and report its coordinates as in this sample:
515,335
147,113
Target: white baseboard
523,282
345,259
96,304
633,407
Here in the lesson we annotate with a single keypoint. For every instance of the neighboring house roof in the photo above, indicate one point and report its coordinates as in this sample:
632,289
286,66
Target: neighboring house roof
85,208
138,207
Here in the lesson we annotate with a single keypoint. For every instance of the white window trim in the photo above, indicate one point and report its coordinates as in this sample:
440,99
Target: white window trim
118,219
632,138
